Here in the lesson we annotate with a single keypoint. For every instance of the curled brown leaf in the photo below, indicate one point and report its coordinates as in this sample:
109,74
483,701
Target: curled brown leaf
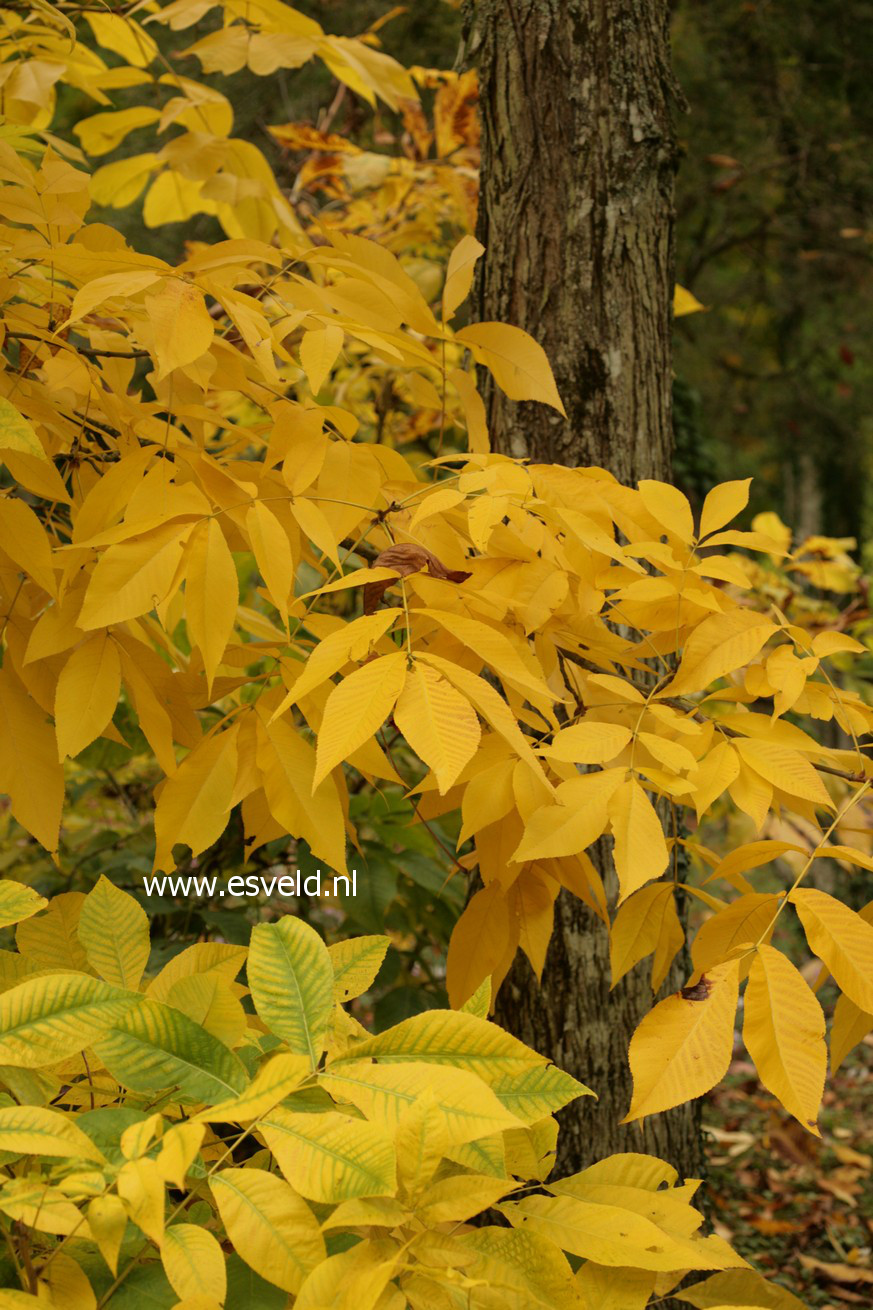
406,557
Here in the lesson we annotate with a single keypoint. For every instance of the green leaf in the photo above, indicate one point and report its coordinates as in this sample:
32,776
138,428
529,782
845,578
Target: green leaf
153,1047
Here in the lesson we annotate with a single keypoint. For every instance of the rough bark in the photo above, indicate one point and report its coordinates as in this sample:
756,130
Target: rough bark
576,214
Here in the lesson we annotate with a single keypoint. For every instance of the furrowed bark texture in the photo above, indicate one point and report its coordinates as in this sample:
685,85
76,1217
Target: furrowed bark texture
576,214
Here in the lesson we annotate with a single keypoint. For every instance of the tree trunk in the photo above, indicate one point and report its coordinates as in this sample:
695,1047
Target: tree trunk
576,215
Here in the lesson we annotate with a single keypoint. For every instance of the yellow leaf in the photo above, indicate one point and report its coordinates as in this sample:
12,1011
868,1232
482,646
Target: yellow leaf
211,1002
134,576
202,957
683,1046
120,183
141,1188
474,411
785,769
740,1289
744,921
459,274
195,802
291,981
612,1234
107,1219
124,36
16,433
114,930
51,941
841,939
684,302
615,1288
493,647
272,551
850,1026
87,694
101,289
179,1148
194,1262
640,847
669,508
646,922
478,942
356,708
717,646
350,642
29,770
211,595
722,504
183,327
589,742
331,1157
577,819
287,766
318,353
103,132
784,1030
386,1094
438,723
518,363
25,541
66,1284
314,524
532,897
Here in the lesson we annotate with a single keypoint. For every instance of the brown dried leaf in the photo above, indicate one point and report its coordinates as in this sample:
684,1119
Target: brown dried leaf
406,558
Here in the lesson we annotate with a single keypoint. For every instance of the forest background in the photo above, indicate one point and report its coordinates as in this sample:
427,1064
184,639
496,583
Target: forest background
771,381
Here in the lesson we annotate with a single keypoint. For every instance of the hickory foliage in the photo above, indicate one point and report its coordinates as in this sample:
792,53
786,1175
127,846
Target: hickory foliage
207,520
153,1125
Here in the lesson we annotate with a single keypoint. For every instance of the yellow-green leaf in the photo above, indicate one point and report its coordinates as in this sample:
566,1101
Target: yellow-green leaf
35,1130
18,902
16,433
291,979
45,1019
194,1262
114,930
272,1228
356,961
331,1157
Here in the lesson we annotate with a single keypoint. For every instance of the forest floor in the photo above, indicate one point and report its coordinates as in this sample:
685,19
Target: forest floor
797,1207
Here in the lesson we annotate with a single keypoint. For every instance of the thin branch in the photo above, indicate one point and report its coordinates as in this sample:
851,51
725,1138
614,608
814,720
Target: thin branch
91,351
